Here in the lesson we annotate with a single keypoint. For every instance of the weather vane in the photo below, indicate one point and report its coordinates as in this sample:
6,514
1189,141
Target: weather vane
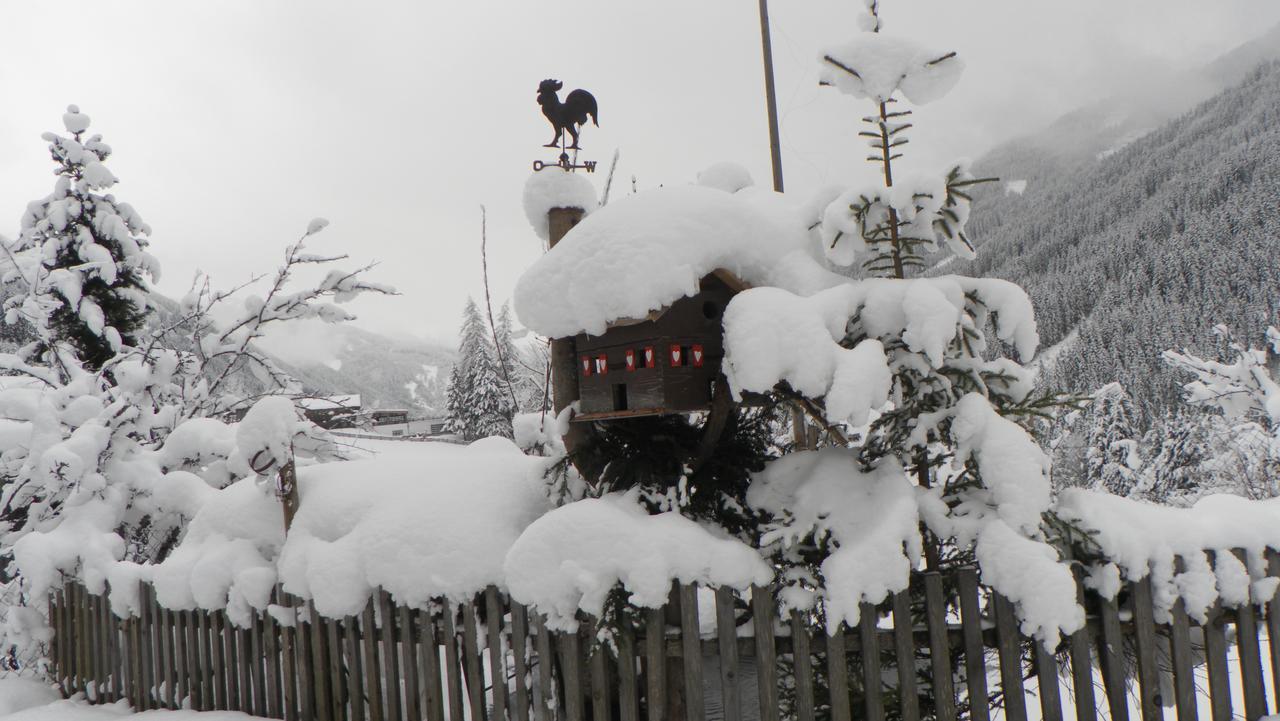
569,116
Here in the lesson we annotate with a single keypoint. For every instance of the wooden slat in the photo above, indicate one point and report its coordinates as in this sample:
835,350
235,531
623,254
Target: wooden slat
497,658
167,661
1215,641
1009,642
599,667
409,663
257,672
93,608
355,667
183,655
1255,692
194,670
802,667
453,663
655,664
571,671
975,659
229,676
147,639
1081,660
1111,659
1143,609
869,646
838,675
471,655
1183,659
695,706
289,671
727,632
628,692
302,661
84,673
905,655
763,612
519,649
546,659
219,631
204,659
1047,678
944,692
429,648
243,699
390,659
372,668
333,659
271,632
159,632
1273,627
135,661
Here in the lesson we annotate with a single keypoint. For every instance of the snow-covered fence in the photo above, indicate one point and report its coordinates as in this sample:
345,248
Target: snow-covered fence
743,662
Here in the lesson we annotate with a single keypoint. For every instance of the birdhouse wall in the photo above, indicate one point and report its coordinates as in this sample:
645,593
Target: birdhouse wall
687,347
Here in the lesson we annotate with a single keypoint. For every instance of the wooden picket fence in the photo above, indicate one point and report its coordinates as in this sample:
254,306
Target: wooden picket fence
393,662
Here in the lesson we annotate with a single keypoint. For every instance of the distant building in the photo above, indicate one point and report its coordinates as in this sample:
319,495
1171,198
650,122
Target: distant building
339,411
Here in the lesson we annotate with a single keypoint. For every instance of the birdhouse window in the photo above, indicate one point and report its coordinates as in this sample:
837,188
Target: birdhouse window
650,357
630,357
620,396
677,356
587,366
602,364
695,356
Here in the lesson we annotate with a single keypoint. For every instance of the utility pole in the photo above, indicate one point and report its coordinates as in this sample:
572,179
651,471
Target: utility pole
770,96
800,433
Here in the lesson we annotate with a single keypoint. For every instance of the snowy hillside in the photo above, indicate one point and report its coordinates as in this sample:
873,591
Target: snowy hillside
1172,233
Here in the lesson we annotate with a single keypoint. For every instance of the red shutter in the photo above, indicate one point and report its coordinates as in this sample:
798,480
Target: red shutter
696,352
677,356
602,364
649,357
631,359
586,365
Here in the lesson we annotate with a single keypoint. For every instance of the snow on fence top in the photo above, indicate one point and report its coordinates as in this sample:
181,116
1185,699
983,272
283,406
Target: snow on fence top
641,253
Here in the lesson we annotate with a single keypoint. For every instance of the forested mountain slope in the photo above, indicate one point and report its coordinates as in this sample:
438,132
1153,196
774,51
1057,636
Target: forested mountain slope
1147,247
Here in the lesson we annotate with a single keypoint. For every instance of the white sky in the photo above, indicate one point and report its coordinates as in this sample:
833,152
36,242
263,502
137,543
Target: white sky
234,123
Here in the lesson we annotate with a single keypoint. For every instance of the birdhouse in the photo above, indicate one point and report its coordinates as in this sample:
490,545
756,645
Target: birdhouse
665,363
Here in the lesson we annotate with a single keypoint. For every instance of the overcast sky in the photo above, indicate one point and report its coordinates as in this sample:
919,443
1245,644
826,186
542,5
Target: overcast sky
234,123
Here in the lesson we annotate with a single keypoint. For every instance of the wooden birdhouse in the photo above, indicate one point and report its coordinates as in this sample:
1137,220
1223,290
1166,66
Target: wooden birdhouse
665,363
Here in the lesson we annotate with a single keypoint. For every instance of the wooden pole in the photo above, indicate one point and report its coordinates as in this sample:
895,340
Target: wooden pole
287,490
564,353
771,99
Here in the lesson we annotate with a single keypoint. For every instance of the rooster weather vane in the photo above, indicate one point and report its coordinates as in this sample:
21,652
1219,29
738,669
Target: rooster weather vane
570,116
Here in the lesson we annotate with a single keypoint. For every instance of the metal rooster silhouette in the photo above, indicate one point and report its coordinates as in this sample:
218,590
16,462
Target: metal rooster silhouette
569,115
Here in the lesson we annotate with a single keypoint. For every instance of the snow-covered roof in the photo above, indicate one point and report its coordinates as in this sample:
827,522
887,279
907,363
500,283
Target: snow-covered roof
349,401
643,252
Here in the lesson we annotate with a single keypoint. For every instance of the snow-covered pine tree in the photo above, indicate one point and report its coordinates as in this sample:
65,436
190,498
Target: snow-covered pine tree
1113,458
92,279
478,401
1181,455
525,390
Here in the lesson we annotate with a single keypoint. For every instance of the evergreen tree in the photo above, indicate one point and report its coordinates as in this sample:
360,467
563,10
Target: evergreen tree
90,292
1179,466
1113,458
525,390
478,401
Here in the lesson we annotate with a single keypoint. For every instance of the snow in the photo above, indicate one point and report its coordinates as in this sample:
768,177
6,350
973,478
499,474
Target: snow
1013,466
727,176
772,335
1028,573
641,253
554,187
74,120
265,434
1142,538
571,558
1015,187
422,521
871,519
77,709
885,64
17,694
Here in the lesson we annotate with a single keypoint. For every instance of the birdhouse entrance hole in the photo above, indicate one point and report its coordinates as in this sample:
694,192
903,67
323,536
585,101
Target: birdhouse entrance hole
620,396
